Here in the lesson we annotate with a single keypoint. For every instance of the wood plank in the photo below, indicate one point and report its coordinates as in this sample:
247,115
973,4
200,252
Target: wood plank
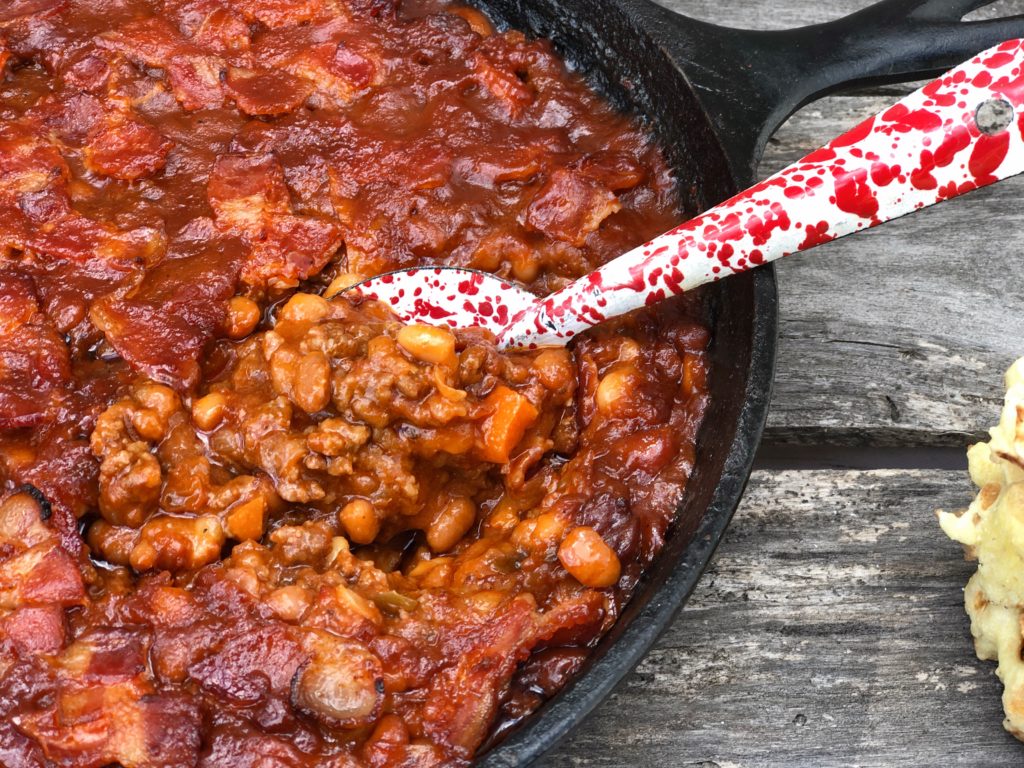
898,336
829,632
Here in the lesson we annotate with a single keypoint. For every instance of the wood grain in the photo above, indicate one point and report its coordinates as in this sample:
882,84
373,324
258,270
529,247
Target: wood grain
829,632
898,336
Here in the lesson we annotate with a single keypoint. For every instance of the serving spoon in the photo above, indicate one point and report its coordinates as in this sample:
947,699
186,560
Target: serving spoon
960,132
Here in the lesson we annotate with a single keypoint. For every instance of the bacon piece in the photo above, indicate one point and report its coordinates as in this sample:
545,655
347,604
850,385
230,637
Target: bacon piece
491,166
340,65
90,72
70,119
574,621
35,629
77,238
126,148
249,196
295,249
195,81
615,170
244,190
35,185
266,92
62,469
240,746
113,718
358,68
20,678
18,304
570,206
194,77
210,24
13,230
17,9
28,165
316,64
282,13
161,326
35,365
390,746
176,649
151,41
183,634
42,575
464,698
34,570
503,84
252,665
16,749
105,656
115,141
5,54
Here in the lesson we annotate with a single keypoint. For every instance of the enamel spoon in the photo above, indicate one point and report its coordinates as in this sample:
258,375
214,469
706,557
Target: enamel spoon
960,132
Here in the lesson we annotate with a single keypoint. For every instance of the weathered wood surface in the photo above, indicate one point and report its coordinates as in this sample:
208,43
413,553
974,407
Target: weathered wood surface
897,336
829,632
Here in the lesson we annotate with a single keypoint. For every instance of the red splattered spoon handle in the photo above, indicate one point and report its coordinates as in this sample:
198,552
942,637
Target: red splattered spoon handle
958,133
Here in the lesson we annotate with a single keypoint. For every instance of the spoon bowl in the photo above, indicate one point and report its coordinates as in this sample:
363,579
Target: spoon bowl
454,296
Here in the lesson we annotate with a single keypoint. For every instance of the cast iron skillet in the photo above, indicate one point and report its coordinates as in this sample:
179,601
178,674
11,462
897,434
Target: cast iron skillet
713,96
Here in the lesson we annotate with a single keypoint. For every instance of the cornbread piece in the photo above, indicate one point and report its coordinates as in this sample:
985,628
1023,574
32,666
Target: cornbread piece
992,532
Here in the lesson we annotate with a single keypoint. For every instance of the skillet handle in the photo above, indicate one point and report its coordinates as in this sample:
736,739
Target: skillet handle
750,81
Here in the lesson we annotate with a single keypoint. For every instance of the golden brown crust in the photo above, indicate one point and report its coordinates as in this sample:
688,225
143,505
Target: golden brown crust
992,532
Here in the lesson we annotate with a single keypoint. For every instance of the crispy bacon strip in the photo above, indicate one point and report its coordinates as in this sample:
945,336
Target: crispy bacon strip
246,190
115,141
35,629
28,165
210,24
194,77
339,64
503,84
125,148
106,712
282,13
34,570
161,325
41,218
77,238
18,9
464,698
239,745
266,91
570,206
35,366
250,199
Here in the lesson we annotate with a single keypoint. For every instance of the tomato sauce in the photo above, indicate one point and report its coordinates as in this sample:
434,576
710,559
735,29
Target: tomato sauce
245,520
